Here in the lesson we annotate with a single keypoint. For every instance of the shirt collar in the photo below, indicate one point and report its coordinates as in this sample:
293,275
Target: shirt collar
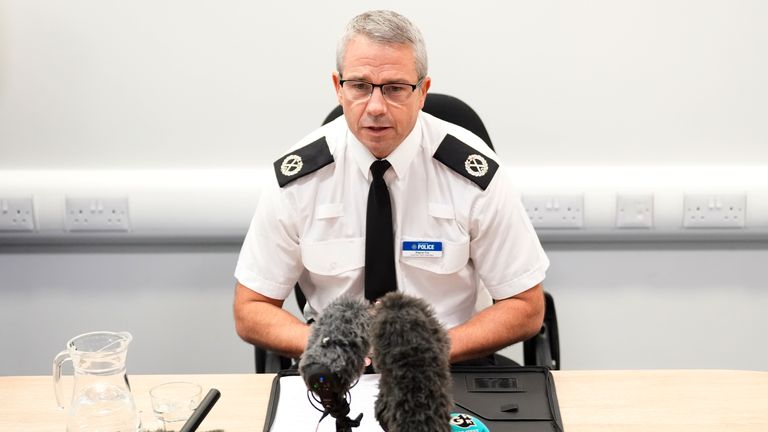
400,158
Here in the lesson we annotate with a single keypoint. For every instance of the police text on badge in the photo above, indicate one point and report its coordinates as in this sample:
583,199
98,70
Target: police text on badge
422,249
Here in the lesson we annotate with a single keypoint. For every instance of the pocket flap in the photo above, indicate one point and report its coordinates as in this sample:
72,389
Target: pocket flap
441,211
333,257
327,211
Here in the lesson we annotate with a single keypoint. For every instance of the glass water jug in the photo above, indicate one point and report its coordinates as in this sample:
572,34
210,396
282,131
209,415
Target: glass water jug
101,396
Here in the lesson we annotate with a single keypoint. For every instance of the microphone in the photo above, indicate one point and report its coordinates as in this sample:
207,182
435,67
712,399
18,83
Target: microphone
335,356
202,410
410,351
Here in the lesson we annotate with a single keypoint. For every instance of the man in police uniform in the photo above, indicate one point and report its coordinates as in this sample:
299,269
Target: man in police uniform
456,220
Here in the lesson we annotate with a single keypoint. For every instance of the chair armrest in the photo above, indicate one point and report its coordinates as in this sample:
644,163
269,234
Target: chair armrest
269,362
543,349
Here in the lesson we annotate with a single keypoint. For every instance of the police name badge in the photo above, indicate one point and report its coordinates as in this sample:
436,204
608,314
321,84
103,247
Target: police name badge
422,249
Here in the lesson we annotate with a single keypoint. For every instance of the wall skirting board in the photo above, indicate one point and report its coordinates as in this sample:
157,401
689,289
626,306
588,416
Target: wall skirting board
568,204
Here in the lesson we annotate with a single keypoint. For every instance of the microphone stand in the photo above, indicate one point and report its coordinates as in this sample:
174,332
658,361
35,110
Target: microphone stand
332,396
338,407
346,424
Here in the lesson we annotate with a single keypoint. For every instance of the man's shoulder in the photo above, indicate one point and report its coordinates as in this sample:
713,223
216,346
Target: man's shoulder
462,151
310,154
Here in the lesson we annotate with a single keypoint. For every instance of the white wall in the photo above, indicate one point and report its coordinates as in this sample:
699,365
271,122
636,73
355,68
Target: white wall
176,301
109,84
184,84
634,306
668,305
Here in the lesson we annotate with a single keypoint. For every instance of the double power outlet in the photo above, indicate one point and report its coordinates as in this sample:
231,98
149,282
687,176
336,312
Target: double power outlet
555,211
97,214
715,211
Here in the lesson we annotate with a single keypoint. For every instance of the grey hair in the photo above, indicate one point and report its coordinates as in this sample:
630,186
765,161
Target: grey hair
386,27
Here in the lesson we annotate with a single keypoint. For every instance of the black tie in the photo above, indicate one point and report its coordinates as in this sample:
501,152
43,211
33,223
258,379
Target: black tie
379,237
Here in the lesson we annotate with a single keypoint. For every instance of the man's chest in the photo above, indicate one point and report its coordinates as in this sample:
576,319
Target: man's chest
425,205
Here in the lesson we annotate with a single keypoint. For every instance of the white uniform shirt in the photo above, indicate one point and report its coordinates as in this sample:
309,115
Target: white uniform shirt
313,229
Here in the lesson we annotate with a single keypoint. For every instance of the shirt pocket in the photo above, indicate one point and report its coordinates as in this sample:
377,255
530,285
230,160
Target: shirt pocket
455,256
441,211
333,257
329,211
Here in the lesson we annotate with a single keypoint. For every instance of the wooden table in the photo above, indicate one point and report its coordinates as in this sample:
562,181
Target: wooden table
590,401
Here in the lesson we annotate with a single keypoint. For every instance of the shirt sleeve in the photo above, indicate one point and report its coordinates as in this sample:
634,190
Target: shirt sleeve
270,258
504,246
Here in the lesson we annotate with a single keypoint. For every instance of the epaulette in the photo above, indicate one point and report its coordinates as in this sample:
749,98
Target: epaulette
466,161
303,161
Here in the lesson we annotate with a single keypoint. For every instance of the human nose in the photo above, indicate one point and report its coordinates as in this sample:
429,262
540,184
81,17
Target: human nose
376,103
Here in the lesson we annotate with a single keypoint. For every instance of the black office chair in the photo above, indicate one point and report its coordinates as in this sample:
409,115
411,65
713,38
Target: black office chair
543,349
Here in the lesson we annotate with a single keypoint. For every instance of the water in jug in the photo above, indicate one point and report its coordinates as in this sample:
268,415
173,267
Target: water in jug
101,397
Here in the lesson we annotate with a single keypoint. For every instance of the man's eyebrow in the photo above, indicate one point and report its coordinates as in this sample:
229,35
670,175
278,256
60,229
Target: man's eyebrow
390,81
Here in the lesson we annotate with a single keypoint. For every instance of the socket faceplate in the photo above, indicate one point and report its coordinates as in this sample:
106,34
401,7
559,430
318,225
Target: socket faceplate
634,211
97,214
555,211
17,214
714,211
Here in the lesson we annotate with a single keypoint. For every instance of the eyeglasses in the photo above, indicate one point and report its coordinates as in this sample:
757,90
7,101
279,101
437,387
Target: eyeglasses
396,93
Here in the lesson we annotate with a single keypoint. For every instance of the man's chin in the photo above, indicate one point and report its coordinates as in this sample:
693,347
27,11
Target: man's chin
380,148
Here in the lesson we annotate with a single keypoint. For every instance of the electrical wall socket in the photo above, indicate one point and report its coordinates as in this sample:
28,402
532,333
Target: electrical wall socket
555,211
634,211
97,214
17,214
714,211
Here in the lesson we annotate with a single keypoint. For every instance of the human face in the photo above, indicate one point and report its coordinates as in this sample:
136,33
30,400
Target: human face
380,125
